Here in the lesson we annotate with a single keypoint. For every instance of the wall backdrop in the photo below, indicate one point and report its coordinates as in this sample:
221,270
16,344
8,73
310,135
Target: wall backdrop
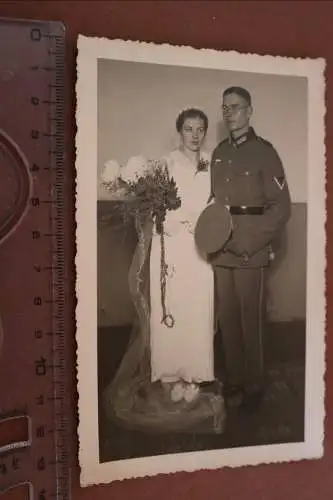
137,107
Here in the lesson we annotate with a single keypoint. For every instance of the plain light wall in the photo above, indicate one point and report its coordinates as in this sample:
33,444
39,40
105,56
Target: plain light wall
138,104
137,107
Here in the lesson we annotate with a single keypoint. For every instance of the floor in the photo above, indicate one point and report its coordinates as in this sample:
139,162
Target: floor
281,415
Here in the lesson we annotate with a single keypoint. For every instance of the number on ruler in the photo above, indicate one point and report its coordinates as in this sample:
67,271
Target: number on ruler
41,464
40,366
35,134
38,334
3,469
35,202
36,35
15,465
41,495
35,235
34,168
40,432
40,400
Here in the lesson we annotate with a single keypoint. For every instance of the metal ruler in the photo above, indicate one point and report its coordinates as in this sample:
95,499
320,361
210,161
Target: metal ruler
35,239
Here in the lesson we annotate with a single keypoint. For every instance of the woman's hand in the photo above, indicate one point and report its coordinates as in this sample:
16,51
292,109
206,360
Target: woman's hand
188,226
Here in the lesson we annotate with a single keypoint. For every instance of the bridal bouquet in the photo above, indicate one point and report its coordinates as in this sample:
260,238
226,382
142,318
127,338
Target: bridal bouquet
141,188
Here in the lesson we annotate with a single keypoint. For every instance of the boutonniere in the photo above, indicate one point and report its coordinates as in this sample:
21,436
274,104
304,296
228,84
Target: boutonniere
202,166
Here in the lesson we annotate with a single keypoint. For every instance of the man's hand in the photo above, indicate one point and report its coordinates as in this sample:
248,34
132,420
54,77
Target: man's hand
234,248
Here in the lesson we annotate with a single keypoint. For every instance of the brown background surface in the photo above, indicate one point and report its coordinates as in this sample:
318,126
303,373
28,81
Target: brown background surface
297,29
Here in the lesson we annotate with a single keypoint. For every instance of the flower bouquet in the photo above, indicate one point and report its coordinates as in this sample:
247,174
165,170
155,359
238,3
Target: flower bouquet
142,189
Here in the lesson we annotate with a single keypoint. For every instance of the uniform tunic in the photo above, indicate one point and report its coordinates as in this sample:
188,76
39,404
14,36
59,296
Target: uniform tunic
186,350
247,175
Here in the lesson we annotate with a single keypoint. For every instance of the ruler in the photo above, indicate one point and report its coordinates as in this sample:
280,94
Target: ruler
34,256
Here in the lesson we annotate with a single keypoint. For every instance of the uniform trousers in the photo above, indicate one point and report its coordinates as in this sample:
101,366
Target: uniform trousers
240,310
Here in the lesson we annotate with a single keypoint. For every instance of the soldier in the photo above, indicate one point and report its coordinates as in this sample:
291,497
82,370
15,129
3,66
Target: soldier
248,177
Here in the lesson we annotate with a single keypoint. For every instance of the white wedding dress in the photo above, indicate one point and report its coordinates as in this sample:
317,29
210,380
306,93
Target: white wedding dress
186,350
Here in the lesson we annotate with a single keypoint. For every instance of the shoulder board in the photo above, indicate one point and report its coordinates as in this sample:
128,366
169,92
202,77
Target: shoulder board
264,141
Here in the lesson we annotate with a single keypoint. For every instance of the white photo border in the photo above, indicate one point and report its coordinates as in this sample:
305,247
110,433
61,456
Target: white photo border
90,50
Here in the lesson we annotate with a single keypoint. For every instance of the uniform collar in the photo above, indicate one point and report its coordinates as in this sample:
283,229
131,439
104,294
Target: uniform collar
250,134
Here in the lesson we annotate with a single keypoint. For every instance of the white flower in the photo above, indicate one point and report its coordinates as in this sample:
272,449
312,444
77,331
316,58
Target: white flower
136,166
110,172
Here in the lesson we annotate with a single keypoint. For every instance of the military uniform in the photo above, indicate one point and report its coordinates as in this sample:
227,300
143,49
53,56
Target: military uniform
248,177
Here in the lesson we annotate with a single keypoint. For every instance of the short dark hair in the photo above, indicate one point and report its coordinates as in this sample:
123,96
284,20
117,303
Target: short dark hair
239,91
191,113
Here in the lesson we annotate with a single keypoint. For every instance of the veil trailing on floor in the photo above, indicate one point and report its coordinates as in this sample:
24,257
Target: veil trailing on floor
131,400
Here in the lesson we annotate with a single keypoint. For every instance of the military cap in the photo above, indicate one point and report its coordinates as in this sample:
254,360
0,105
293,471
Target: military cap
213,228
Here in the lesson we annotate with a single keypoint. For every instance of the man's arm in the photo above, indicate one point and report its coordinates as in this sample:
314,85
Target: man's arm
212,192
277,209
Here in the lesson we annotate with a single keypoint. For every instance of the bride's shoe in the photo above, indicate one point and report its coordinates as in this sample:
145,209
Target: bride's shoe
191,392
177,392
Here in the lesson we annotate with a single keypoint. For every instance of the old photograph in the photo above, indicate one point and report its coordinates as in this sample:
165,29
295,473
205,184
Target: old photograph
200,259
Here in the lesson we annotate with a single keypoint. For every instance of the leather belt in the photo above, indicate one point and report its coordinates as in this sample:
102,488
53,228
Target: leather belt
246,210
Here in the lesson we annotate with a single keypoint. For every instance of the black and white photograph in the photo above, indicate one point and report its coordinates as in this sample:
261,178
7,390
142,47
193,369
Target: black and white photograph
200,211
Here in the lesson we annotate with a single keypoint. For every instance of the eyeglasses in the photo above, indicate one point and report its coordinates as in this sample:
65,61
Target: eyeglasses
233,109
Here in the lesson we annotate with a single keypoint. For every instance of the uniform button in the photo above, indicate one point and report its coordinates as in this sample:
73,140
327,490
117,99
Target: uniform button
227,179
229,162
247,172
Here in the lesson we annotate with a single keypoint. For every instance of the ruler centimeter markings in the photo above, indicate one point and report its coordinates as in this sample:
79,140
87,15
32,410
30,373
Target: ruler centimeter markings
37,53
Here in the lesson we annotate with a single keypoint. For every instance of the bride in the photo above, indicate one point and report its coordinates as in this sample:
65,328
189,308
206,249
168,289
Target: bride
172,353
184,351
